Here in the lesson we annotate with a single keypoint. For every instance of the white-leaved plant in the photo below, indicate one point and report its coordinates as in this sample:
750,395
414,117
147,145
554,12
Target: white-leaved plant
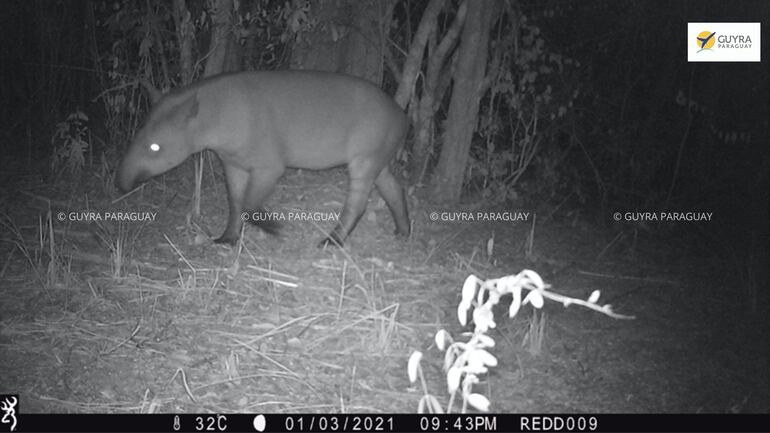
465,362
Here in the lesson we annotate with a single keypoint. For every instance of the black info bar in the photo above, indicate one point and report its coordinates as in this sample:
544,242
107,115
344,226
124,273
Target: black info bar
385,423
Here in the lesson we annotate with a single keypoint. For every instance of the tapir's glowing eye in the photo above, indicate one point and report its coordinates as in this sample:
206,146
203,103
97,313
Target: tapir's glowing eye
155,147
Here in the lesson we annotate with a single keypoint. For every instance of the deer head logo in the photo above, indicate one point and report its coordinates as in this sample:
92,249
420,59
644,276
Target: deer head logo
9,407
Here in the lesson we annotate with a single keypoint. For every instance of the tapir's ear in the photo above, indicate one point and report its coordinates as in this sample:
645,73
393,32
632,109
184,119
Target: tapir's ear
152,92
189,108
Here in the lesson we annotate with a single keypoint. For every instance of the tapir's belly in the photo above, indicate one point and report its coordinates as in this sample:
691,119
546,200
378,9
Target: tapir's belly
295,147
310,139
314,146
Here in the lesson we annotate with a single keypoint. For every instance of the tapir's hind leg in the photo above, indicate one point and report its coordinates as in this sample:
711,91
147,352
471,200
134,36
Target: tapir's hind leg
394,197
361,172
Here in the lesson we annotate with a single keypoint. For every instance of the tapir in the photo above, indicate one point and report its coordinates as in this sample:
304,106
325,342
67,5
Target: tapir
260,123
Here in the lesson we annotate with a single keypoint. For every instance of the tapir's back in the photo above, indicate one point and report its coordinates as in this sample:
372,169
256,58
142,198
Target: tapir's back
314,119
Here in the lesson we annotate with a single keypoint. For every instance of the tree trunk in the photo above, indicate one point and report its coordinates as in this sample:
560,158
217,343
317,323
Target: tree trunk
431,92
349,37
234,55
184,32
220,37
464,106
319,48
219,43
413,61
366,41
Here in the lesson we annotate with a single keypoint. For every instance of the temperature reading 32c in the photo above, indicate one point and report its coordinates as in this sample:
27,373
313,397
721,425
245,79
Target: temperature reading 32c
216,423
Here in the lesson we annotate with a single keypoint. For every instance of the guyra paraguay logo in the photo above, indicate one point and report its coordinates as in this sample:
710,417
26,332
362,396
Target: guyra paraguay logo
707,39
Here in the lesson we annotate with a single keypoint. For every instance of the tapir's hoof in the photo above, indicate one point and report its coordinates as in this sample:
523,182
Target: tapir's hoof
401,234
332,241
226,240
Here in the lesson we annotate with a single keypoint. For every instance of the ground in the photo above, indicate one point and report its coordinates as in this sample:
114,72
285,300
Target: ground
181,324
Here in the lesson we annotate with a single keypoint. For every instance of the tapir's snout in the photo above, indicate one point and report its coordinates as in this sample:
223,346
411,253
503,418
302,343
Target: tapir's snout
129,175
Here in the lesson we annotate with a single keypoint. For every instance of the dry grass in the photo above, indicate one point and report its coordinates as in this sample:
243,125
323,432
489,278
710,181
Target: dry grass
132,321
322,335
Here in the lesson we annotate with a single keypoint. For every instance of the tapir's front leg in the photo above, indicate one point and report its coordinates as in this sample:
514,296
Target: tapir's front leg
237,180
247,191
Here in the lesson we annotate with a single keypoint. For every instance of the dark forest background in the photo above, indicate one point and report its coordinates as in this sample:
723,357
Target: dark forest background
588,105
